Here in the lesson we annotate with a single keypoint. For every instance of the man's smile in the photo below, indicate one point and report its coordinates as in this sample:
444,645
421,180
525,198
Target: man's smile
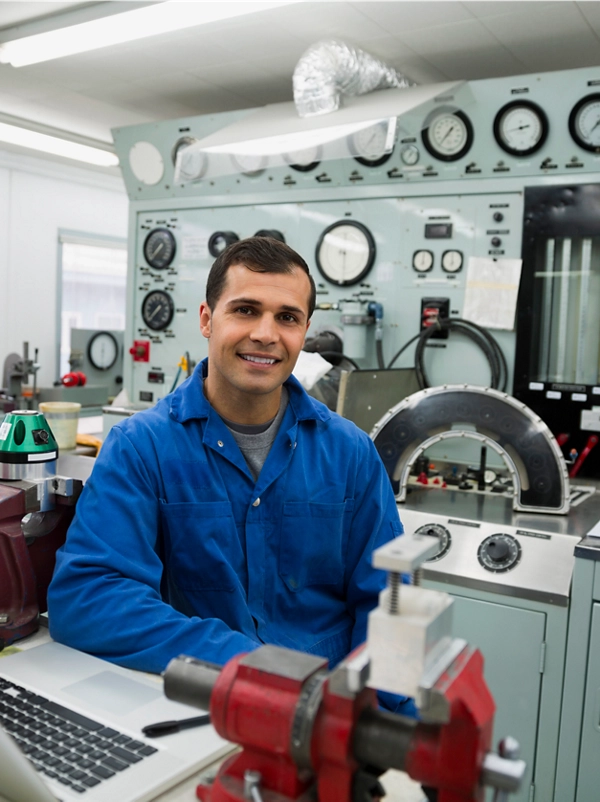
259,360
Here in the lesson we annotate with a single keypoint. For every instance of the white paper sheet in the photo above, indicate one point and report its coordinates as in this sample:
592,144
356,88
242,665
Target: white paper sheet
491,292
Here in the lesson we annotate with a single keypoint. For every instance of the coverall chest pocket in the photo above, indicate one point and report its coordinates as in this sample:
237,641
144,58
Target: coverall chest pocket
202,547
313,543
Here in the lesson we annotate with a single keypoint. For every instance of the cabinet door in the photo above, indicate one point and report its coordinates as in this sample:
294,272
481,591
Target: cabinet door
588,778
510,640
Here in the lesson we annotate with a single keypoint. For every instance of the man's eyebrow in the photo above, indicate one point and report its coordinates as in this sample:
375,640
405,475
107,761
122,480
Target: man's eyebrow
254,302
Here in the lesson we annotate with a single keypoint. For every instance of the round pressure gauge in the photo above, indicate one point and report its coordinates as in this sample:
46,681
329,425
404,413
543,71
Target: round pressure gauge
159,248
249,163
448,135
521,128
219,240
584,123
103,350
304,160
452,261
157,310
410,154
192,164
368,146
345,252
422,261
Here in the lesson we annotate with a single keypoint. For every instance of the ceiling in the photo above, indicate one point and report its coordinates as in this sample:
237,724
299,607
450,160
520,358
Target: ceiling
249,62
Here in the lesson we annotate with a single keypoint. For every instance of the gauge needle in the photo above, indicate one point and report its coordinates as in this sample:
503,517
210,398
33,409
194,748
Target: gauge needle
156,309
519,128
157,249
596,124
449,131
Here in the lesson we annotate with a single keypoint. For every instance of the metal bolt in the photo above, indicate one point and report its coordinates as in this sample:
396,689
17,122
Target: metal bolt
252,780
394,592
509,749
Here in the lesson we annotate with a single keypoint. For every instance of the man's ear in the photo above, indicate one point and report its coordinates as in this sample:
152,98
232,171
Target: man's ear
205,319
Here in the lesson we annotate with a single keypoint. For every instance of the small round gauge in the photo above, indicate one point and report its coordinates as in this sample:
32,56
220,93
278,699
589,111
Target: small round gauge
369,145
442,534
103,350
452,261
157,310
521,128
410,154
159,248
422,261
193,164
584,123
304,160
448,135
499,553
249,163
219,240
489,476
345,252
270,232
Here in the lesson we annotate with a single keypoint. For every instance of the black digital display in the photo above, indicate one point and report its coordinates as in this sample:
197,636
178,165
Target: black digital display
438,230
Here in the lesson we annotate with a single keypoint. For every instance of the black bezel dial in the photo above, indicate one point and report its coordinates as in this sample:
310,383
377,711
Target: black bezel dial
219,240
160,248
328,271
499,564
157,310
575,124
501,117
433,149
443,536
102,335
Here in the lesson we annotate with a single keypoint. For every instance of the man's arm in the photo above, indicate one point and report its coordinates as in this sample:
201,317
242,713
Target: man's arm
105,597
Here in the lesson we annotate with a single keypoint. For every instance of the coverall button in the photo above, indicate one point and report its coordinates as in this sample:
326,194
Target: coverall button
256,503
220,443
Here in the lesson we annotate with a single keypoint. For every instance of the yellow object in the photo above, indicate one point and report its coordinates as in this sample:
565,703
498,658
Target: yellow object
62,417
89,440
183,364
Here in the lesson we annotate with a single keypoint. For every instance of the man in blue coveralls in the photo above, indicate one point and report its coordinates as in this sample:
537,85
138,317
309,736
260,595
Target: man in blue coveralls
237,511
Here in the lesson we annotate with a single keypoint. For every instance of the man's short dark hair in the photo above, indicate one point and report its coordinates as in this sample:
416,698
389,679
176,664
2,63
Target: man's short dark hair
262,255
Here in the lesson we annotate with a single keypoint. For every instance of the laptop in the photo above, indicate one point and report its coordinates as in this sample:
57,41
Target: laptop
75,731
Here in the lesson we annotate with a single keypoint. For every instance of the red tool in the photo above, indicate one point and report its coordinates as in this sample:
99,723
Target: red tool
591,442
74,379
304,731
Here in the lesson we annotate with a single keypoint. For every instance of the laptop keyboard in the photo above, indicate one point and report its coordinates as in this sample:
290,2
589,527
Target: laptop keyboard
72,749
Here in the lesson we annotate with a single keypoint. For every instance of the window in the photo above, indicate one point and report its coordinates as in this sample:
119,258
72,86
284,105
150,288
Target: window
93,277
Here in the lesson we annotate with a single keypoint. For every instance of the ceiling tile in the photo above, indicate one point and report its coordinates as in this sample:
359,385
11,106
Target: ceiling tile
495,8
399,17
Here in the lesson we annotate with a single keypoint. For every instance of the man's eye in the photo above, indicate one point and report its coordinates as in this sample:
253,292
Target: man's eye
289,318
244,310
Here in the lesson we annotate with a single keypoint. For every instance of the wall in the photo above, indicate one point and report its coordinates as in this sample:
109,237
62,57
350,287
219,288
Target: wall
37,199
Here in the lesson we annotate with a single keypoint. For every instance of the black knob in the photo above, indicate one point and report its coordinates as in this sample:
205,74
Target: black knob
496,242
498,217
498,550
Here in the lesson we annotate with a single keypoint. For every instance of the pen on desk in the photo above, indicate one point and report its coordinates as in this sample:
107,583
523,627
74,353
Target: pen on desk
167,727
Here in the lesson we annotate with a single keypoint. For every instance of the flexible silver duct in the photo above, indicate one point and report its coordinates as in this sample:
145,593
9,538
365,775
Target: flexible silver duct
329,68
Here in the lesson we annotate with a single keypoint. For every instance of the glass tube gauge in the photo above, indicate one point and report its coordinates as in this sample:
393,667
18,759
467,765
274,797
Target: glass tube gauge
345,252
521,128
584,123
448,135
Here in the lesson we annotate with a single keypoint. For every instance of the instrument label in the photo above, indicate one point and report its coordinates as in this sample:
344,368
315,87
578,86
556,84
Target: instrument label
5,429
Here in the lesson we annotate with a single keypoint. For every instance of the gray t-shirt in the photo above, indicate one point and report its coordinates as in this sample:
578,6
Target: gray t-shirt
255,440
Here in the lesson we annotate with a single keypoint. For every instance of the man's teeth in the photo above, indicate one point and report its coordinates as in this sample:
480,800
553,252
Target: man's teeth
260,359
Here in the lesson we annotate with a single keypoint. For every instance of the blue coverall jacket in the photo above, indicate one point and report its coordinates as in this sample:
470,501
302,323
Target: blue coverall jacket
176,550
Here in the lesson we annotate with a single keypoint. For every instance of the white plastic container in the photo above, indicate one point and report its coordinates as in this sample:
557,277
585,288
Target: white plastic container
62,416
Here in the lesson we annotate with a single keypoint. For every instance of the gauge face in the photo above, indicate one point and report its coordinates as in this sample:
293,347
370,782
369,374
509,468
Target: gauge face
368,146
248,163
521,128
442,534
422,261
448,136
304,160
219,240
157,310
452,261
193,164
584,123
103,350
410,154
159,248
499,553
345,252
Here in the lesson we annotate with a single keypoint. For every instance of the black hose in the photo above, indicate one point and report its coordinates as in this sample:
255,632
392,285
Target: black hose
379,351
331,354
483,339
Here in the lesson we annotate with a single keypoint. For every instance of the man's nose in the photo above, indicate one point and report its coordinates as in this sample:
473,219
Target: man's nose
264,329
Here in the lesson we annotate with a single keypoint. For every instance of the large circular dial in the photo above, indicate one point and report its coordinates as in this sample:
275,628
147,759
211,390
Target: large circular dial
442,534
521,128
157,310
219,240
584,123
368,146
159,248
499,553
449,135
304,160
249,163
103,350
345,252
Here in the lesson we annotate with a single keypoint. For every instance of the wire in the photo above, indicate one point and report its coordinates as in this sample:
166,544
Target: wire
483,339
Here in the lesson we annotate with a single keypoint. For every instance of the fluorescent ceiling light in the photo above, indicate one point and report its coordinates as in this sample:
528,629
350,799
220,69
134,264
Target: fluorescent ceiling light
58,147
158,18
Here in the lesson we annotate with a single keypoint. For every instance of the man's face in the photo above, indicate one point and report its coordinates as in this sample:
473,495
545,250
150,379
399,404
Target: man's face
255,331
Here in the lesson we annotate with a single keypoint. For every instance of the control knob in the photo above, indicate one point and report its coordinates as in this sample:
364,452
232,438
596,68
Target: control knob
496,242
442,534
499,553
